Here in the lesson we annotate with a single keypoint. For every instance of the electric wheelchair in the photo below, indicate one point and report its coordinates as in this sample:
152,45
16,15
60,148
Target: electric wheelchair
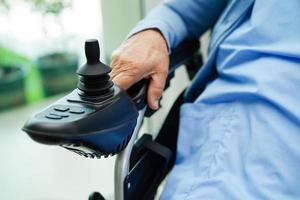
98,119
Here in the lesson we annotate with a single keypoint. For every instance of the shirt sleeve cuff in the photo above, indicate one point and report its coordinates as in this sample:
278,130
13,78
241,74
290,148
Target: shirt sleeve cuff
152,25
167,22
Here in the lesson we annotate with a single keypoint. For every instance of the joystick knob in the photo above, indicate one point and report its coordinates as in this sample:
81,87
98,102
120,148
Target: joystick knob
94,83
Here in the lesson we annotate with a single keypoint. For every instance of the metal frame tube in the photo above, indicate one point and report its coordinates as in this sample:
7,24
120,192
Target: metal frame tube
122,160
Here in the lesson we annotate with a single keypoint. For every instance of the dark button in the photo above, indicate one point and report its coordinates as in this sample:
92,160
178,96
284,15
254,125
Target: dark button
77,110
50,116
59,114
61,108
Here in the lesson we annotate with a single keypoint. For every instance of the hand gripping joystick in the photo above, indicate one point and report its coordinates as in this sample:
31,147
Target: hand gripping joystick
97,118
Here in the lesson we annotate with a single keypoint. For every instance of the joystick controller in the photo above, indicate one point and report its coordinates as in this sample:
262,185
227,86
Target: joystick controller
97,118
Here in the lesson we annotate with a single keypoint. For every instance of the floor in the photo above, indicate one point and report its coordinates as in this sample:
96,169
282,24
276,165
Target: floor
31,171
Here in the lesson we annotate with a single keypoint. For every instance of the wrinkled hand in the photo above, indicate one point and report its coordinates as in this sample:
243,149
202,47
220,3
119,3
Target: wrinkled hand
144,55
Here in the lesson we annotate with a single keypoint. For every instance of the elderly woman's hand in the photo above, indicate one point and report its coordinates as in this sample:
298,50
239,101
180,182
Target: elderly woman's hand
144,55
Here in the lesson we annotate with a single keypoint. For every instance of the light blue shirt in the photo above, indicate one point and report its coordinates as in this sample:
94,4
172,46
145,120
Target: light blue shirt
239,132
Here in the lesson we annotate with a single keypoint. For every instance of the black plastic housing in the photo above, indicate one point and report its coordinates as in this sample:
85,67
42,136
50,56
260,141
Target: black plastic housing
97,118
104,128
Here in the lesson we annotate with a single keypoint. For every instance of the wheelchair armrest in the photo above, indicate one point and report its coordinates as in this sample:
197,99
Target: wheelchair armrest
182,53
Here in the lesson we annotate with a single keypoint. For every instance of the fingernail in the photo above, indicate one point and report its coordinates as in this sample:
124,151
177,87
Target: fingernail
156,104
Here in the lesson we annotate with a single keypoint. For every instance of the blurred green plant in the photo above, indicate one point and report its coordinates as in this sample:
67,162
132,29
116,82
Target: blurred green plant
50,6
44,6
33,88
33,85
4,5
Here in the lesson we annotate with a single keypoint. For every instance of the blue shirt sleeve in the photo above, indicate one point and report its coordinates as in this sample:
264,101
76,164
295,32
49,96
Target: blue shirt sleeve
178,19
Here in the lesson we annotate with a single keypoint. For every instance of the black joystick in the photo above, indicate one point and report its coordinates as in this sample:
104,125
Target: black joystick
94,83
97,118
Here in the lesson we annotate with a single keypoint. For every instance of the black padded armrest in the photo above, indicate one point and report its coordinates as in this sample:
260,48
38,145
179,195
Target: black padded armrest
181,54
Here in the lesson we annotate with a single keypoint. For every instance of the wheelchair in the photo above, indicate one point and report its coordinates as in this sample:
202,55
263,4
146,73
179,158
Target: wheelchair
98,119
